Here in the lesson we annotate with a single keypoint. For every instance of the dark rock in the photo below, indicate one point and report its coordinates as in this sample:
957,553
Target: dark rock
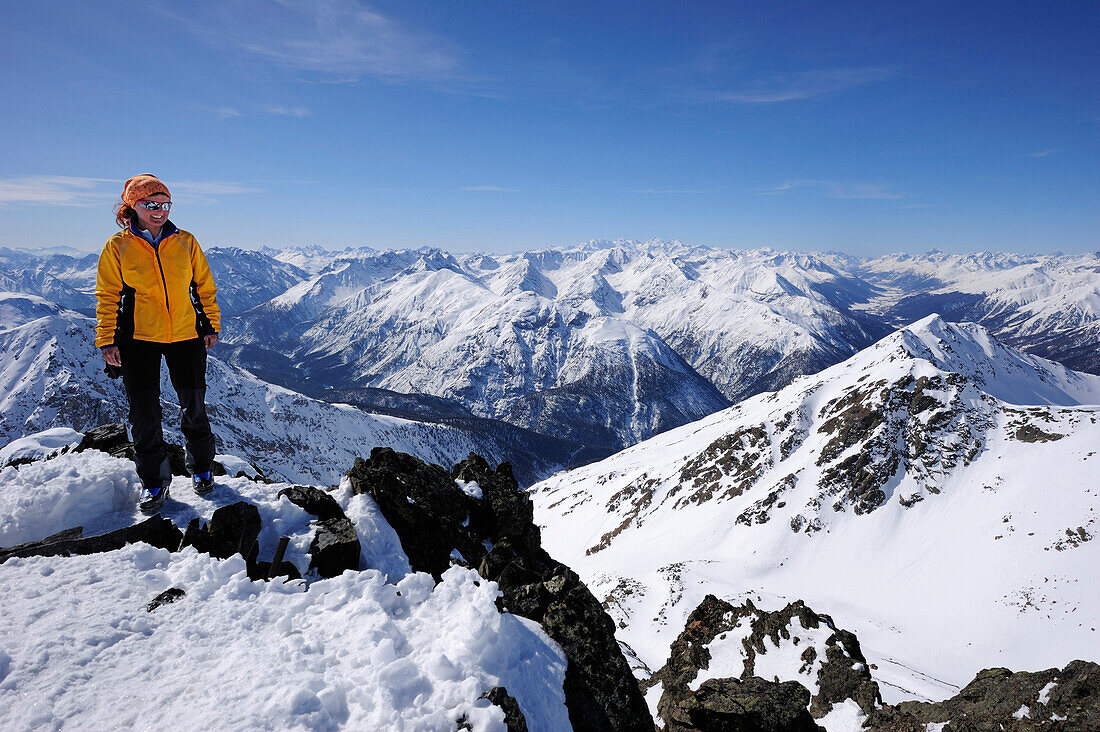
335,547
232,530
423,505
513,715
995,698
108,438
168,596
756,705
259,571
156,531
496,535
313,500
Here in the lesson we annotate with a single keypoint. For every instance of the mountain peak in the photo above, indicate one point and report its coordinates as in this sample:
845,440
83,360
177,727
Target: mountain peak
971,351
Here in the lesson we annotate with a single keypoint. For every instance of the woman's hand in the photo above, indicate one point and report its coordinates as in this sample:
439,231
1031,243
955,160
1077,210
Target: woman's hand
210,339
111,355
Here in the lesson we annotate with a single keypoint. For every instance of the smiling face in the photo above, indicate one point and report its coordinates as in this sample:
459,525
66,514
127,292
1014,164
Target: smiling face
152,220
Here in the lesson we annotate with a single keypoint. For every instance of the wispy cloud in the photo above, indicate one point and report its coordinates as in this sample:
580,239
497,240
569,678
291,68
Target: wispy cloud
662,191
45,190
342,40
226,113
213,188
834,189
55,190
1041,154
492,189
288,111
802,85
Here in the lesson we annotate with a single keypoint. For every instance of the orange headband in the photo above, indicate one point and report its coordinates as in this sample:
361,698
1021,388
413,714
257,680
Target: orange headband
142,186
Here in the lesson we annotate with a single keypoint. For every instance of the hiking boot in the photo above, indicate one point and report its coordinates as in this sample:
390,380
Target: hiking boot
203,483
153,498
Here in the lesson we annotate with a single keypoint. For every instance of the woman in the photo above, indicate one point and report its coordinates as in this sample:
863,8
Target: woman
156,297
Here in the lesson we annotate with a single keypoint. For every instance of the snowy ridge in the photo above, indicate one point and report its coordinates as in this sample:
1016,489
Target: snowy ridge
898,489
383,648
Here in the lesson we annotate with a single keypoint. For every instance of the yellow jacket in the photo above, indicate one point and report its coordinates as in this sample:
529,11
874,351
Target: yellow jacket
163,295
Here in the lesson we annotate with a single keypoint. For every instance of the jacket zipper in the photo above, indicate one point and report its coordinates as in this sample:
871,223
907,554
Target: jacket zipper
167,309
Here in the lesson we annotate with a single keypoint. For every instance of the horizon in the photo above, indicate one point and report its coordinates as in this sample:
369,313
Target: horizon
862,127
589,245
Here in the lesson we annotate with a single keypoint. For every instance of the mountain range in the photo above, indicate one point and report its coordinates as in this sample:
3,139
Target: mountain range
601,345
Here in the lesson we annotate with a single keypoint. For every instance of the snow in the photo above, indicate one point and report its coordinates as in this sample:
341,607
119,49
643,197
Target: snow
727,655
383,648
40,445
470,488
652,698
1044,693
843,717
784,661
234,466
89,489
351,652
1023,712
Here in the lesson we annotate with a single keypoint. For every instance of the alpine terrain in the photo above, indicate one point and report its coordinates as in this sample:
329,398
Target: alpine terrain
935,494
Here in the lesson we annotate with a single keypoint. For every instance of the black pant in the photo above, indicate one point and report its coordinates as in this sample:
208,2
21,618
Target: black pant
141,375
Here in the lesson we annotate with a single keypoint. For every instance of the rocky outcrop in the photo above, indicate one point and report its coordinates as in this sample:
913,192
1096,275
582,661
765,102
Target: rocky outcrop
335,547
156,531
1066,700
753,704
833,665
478,517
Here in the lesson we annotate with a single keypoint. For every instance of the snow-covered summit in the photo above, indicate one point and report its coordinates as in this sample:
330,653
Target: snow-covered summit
972,351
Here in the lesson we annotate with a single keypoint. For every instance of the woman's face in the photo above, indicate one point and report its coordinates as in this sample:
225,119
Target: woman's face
152,220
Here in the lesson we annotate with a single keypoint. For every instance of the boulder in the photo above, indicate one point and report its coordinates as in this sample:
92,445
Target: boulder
156,531
335,547
439,523
109,438
232,530
514,721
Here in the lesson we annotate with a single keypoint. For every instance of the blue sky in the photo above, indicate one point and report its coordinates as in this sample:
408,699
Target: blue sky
866,127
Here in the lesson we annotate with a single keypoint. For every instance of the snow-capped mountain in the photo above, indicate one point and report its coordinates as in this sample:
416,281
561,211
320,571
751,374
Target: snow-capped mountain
606,343
936,491
1048,305
246,278
52,376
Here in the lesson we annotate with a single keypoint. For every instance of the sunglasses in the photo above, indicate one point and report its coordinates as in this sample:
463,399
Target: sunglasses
155,205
